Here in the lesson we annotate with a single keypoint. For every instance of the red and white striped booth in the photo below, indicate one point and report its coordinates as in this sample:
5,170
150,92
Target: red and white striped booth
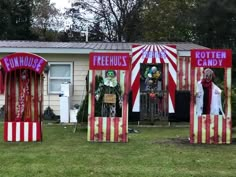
23,80
113,128
211,128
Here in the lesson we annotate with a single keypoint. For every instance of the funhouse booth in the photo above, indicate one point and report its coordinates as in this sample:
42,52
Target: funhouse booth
23,87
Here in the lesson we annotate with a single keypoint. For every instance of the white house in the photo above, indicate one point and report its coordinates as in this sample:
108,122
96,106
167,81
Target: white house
69,61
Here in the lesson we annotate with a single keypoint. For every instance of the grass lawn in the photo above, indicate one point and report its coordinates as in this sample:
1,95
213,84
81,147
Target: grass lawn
152,152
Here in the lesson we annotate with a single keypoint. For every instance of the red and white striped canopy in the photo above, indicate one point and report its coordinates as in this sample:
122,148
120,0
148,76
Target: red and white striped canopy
153,54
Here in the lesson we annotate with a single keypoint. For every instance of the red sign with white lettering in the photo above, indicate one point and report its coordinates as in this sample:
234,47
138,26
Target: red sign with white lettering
215,58
109,61
23,61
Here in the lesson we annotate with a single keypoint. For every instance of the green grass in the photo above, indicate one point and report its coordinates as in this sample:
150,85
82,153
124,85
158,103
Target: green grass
152,152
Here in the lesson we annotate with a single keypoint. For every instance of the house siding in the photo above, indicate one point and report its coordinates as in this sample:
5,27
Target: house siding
80,70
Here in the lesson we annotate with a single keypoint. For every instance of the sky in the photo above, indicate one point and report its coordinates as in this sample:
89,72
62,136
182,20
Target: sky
61,4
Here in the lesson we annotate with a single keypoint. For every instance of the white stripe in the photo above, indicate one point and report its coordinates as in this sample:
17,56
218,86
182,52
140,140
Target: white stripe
173,58
34,132
9,131
171,69
136,102
18,131
26,131
171,108
157,58
195,127
104,129
150,56
138,54
172,49
135,71
220,129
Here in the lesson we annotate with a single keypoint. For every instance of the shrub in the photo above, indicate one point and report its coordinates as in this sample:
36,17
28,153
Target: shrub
82,115
2,112
49,114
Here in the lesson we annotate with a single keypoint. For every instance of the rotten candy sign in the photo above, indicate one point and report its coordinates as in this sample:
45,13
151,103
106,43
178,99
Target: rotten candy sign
215,58
109,61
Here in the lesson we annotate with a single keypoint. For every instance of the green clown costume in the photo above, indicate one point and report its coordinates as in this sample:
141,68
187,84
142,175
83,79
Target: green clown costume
109,93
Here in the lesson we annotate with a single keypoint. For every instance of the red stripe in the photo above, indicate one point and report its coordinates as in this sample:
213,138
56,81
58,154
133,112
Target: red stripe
13,108
192,108
208,123
108,130
116,129
100,125
118,76
224,131
92,118
11,99
22,130
36,97
13,131
172,88
6,116
199,136
30,132
124,105
136,85
6,124
38,131
216,133
138,58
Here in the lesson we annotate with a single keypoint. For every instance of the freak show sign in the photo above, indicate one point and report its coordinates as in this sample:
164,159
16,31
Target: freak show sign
210,111
23,80
109,79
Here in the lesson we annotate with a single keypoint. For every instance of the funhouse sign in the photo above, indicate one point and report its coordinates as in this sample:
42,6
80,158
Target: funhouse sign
107,61
215,58
23,61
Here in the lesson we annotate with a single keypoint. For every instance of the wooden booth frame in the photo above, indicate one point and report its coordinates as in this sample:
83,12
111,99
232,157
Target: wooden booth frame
207,128
23,80
108,129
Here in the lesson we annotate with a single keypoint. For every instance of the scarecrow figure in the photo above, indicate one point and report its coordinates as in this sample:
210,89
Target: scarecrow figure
153,79
208,98
110,92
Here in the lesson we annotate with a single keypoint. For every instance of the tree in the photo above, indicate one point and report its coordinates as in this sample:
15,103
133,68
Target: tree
115,16
46,20
27,19
167,20
215,23
16,19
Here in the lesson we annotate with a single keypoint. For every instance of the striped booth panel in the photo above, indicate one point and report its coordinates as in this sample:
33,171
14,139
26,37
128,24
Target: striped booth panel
22,131
107,129
211,129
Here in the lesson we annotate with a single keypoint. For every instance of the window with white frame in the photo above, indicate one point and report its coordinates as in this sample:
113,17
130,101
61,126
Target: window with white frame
60,72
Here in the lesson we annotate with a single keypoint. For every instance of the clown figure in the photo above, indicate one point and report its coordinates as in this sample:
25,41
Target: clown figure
109,92
152,80
208,96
